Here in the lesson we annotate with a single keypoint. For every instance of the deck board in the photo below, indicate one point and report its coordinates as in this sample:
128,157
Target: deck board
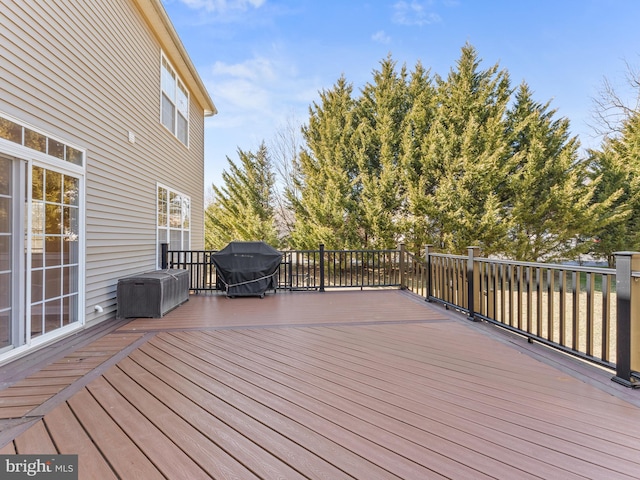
70,437
36,439
123,454
150,439
346,431
236,433
515,435
394,414
438,381
344,407
202,449
267,413
365,385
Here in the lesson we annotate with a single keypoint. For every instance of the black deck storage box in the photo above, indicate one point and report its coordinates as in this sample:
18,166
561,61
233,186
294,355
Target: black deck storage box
152,294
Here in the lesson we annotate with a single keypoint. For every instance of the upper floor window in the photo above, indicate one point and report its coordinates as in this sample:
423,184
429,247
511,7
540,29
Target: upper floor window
174,108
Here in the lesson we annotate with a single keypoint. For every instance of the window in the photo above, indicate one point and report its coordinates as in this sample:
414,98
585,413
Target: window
174,220
22,135
55,233
174,103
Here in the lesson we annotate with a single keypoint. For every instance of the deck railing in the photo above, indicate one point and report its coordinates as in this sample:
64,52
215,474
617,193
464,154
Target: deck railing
592,313
302,269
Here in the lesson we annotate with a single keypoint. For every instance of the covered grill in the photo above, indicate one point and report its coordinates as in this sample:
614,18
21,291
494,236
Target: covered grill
247,268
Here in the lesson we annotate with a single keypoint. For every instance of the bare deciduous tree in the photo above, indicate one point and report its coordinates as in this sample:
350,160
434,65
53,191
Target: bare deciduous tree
615,105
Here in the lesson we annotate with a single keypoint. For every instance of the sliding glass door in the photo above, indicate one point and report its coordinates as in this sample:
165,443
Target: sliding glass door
54,269
7,290
40,266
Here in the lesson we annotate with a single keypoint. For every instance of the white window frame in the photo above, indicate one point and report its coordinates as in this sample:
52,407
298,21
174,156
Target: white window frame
174,90
28,158
164,231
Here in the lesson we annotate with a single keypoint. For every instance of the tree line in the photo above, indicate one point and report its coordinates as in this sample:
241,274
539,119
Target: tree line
416,158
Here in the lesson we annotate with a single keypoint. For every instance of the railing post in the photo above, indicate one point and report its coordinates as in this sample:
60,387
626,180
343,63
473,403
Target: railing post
628,319
164,261
322,267
472,282
401,267
427,258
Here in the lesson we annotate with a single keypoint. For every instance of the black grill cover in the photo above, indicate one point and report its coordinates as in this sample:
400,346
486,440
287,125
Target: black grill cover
247,268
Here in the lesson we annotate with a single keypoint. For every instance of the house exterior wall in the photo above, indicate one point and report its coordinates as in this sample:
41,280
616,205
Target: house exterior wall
88,72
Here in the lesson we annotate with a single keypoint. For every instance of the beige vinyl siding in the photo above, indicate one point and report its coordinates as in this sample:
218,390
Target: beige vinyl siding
89,72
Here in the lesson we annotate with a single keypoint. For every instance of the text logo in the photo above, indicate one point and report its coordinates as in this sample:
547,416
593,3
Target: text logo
52,467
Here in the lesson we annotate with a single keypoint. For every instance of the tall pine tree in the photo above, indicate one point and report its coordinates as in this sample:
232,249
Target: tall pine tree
382,108
324,202
417,178
243,208
546,196
617,166
463,158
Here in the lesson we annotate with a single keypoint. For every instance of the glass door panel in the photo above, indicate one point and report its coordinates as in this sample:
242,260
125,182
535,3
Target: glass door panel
54,250
6,246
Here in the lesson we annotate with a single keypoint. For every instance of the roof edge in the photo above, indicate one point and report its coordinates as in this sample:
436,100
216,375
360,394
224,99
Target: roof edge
156,17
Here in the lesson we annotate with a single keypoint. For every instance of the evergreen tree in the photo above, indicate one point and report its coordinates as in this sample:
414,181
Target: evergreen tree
324,202
545,193
463,158
617,166
243,208
418,182
377,142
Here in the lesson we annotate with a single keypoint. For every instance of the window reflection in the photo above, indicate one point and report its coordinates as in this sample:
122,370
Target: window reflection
174,215
69,251
10,130
5,214
5,292
37,287
36,320
69,280
52,283
71,190
5,253
52,250
35,140
74,156
5,176
37,183
52,315
53,219
56,149
55,249
70,310
53,186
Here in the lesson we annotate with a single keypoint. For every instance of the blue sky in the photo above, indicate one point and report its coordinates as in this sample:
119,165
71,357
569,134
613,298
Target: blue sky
264,61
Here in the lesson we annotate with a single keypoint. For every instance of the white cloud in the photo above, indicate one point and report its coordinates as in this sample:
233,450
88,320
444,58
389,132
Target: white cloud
222,6
381,37
414,13
259,86
242,94
256,69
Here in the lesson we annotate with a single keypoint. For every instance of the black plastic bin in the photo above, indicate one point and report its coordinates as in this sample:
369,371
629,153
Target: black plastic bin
152,294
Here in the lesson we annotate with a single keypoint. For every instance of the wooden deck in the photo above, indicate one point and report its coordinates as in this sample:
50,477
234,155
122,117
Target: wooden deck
367,385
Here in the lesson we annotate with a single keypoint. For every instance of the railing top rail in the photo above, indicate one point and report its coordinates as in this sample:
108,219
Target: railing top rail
553,266
361,251
299,251
448,255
